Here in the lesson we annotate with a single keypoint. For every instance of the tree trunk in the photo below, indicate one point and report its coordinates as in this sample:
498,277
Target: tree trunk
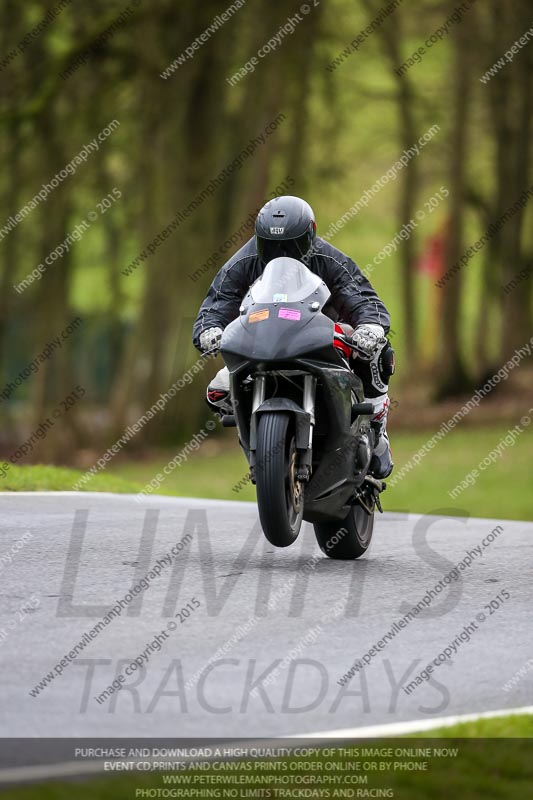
517,320
391,36
453,378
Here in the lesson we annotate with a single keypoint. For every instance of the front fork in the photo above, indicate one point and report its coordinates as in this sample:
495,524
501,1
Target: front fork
304,461
259,392
304,466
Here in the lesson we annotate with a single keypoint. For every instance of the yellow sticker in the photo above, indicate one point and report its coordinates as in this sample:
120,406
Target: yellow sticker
259,316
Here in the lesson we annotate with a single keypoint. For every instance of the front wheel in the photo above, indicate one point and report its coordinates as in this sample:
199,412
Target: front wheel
346,540
279,494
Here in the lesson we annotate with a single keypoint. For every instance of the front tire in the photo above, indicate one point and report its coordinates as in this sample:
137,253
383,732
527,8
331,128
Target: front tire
346,540
279,494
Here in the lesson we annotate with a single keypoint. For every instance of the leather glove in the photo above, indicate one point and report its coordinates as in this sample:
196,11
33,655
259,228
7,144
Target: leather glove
368,340
210,340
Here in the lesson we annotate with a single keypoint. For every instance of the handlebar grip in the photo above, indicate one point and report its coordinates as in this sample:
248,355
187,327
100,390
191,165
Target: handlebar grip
365,409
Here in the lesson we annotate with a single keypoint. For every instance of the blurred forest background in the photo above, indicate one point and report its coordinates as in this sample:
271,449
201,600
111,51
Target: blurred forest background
347,119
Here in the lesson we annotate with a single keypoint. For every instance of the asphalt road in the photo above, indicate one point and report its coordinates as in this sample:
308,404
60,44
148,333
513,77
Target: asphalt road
84,552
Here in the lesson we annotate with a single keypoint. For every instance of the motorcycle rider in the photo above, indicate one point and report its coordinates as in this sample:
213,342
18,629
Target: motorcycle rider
286,226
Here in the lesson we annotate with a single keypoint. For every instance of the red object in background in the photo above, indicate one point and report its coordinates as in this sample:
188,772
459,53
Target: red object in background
340,345
431,261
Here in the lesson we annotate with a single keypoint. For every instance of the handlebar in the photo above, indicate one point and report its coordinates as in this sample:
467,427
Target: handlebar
348,342
344,340
213,352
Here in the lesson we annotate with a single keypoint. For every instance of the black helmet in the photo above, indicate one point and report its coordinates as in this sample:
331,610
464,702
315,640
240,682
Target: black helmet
285,226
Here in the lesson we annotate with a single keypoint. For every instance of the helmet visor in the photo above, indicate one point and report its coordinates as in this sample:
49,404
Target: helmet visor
268,249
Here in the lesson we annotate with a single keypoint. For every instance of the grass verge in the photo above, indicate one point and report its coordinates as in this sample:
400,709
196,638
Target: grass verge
45,478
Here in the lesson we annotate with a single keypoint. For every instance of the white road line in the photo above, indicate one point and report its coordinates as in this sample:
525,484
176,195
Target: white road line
156,498
68,769
414,726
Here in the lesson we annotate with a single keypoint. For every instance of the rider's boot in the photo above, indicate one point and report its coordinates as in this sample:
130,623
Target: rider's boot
381,464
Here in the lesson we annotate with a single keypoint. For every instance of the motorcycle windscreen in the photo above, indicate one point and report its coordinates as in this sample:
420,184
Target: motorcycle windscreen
286,280
280,316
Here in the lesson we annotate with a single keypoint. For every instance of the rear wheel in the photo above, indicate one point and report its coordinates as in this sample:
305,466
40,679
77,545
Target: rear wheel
348,539
279,494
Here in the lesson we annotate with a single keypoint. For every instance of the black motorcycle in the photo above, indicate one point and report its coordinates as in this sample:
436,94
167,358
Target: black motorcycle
299,413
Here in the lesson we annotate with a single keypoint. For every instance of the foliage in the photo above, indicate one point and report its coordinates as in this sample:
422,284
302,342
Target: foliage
346,120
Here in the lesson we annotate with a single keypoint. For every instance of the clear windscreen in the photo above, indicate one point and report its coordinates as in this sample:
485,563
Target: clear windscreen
285,280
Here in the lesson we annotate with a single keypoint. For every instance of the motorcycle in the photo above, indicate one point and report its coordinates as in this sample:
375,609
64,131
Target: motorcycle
297,406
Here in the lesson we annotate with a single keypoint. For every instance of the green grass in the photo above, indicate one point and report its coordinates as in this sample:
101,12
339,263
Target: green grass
45,478
502,491
488,767
514,726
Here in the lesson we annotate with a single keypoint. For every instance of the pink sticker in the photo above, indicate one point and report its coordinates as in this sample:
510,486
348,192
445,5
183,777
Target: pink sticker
289,313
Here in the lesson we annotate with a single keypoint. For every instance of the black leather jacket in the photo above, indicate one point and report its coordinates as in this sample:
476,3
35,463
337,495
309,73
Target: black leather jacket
353,298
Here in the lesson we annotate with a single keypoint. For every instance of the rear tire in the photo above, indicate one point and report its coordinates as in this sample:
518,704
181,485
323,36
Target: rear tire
279,495
346,540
